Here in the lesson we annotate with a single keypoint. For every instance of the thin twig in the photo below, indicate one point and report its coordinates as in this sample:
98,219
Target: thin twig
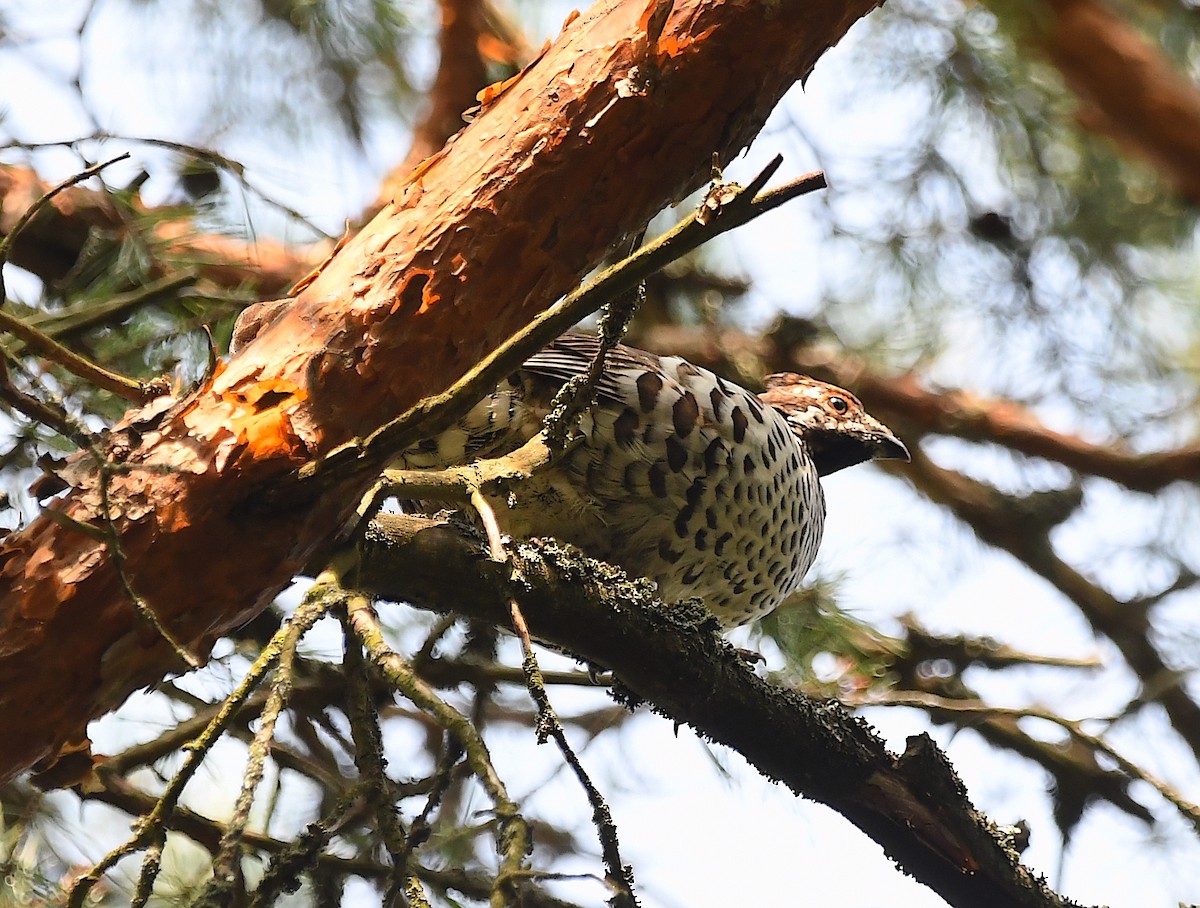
89,314
207,155
283,873
151,828
514,830
490,525
225,865
458,483
151,864
47,348
619,874
371,763
39,412
578,392
113,541
290,859
59,419
443,777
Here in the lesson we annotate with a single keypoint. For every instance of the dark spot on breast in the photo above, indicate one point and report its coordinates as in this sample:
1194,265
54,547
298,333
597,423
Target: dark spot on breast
740,422
719,545
712,455
755,407
649,384
748,465
668,554
739,586
710,517
689,509
677,454
701,539
694,493
629,477
683,518
771,449
625,427
717,398
692,574
686,370
658,479
685,413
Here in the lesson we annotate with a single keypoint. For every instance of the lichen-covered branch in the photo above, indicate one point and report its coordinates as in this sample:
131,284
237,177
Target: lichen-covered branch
674,659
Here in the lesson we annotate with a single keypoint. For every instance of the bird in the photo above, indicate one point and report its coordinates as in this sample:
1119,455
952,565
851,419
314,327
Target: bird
679,476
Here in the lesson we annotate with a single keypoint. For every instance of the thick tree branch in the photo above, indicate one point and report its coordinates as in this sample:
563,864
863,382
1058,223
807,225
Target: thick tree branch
622,114
913,805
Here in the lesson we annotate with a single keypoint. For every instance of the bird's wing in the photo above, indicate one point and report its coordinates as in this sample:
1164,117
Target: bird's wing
513,412
570,354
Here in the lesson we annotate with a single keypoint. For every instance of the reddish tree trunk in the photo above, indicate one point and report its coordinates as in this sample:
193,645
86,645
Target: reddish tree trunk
621,115
1130,90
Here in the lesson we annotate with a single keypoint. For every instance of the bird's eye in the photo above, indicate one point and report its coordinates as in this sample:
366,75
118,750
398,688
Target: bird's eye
839,404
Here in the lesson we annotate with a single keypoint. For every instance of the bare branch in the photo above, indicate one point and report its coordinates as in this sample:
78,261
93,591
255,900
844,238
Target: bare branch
1189,811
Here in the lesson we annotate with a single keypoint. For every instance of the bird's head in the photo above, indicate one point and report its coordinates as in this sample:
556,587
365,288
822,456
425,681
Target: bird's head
831,422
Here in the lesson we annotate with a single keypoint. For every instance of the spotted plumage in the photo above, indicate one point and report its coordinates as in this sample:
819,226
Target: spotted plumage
682,477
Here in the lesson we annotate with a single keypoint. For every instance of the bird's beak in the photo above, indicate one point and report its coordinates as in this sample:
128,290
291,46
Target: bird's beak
866,439
887,446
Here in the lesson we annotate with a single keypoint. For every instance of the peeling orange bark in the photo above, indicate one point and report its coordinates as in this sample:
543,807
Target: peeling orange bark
508,217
